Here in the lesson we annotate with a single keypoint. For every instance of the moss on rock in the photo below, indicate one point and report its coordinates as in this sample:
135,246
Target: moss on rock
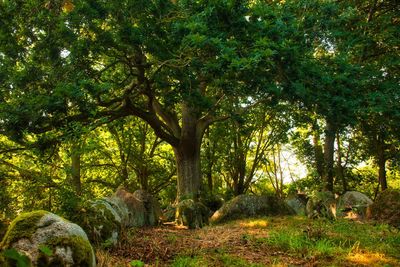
386,207
101,222
48,240
191,214
24,226
244,206
82,252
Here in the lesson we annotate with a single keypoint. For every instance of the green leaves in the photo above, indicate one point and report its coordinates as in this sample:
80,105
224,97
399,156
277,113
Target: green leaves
20,259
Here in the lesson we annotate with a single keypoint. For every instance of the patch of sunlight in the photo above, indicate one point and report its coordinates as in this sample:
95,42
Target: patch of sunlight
255,223
367,258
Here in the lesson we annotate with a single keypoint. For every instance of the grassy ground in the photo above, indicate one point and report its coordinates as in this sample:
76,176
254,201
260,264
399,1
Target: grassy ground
278,241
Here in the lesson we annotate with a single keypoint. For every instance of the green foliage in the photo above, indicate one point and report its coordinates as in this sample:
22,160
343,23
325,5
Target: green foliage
136,263
12,255
46,250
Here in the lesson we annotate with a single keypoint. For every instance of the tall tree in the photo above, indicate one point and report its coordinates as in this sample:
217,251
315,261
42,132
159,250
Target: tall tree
170,63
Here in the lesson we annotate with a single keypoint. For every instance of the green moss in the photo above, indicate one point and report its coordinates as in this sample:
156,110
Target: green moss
192,214
99,223
24,226
81,251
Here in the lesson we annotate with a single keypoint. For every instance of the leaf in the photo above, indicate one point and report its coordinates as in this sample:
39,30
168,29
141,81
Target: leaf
46,250
13,254
68,6
136,263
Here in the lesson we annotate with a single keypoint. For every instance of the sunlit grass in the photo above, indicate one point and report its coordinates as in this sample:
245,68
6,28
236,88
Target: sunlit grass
254,223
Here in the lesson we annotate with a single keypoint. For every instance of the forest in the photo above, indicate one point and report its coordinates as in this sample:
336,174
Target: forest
199,133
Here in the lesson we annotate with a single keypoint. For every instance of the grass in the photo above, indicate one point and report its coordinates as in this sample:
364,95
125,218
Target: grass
274,241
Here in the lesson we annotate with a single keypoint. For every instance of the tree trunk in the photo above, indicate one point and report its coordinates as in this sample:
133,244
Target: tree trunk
210,162
340,169
381,163
187,156
328,155
319,155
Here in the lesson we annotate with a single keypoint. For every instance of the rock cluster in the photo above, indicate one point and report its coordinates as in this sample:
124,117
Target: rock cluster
104,219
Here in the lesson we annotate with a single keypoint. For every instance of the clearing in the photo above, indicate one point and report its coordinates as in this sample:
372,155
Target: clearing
267,241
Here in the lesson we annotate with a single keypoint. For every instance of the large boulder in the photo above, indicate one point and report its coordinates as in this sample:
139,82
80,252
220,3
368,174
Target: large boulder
151,207
192,214
297,204
45,239
386,208
249,206
353,205
143,208
321,204
101,221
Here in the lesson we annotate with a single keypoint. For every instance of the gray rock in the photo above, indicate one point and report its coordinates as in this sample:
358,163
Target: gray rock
297,205
244,206
32,233
143,208
353,205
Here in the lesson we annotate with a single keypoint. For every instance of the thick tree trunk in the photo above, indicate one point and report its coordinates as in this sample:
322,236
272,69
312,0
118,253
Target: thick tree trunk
189,173
328,155
187,156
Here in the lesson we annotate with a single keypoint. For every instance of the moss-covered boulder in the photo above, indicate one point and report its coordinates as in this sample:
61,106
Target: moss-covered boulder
353,205
45,239
101,222
244,206
192,214
321,204
297,204
386,208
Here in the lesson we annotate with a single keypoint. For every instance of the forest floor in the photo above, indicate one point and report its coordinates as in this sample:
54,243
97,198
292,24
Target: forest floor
268,241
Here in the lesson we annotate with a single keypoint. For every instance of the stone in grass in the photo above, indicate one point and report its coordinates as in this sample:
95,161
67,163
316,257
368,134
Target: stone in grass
353,205
244,206
45,239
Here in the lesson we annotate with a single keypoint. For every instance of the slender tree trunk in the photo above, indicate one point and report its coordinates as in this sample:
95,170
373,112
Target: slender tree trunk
340,169
76,168
381,162
319,155
328,155
210,162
